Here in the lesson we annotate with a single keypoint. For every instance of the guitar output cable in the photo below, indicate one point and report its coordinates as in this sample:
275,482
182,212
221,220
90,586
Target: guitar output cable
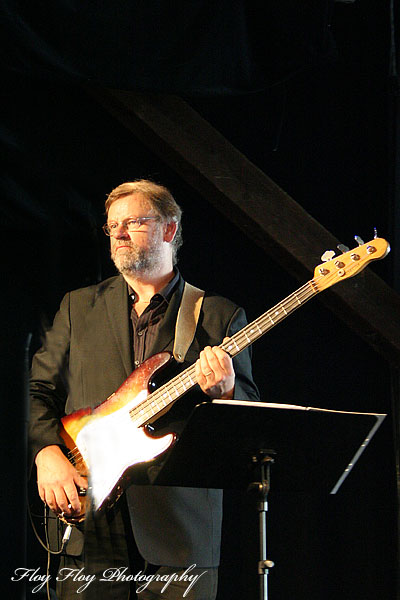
46,546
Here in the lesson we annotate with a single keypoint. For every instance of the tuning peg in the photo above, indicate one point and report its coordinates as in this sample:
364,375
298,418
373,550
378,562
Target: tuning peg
375,233
328,255
359,241
343,248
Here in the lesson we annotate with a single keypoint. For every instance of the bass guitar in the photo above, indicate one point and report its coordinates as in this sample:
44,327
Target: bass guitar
107,441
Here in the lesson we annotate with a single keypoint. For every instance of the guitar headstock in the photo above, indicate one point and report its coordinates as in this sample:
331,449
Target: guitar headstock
348,264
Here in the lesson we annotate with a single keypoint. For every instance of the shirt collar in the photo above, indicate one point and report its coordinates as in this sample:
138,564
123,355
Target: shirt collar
164,294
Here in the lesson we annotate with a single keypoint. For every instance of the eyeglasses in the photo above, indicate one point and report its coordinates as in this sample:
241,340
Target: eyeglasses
130,225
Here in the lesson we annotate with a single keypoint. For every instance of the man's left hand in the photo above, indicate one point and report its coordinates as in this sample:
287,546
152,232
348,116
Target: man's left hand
215,374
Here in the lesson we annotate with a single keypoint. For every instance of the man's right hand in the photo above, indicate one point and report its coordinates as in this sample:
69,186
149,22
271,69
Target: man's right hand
57,481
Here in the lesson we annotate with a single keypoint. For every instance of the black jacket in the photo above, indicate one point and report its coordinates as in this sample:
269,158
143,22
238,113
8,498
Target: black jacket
85,357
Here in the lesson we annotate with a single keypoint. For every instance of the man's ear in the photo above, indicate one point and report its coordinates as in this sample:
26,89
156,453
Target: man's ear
170,231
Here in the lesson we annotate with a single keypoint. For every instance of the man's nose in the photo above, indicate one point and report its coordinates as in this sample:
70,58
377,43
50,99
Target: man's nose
121,232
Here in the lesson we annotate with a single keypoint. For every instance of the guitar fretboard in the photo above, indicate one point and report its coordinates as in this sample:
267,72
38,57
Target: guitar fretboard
166,395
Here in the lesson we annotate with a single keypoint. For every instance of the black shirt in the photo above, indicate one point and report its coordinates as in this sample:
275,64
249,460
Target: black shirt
144,328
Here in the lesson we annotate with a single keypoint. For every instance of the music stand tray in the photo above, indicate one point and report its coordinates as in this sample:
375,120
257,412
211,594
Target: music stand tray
227,433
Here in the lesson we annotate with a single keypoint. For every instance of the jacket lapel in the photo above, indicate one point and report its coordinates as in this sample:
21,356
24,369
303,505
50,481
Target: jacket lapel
116,299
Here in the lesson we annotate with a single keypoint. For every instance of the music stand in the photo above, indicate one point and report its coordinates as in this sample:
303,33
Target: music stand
253,433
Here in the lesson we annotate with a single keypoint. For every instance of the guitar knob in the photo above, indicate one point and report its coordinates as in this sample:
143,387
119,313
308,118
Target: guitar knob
328,255
343,248
359,240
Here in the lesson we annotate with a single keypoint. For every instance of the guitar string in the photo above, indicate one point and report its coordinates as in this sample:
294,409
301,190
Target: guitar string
143,412
241,339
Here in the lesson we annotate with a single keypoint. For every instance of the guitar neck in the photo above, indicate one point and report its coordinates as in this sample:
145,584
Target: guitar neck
166,395
254,330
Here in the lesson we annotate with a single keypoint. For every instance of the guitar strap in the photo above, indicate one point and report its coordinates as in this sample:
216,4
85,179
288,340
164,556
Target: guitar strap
186,322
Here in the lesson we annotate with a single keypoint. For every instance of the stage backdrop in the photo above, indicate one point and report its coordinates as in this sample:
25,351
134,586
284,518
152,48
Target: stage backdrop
302,90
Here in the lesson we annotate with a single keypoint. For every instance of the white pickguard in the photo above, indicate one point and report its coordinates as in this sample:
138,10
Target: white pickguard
112,443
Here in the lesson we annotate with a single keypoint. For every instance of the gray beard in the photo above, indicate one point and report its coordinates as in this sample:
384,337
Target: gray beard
137,260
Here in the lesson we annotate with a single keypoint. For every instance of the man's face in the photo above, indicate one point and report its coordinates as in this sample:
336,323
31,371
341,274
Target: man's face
138,251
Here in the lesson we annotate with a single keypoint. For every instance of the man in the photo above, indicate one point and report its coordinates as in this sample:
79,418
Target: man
99,335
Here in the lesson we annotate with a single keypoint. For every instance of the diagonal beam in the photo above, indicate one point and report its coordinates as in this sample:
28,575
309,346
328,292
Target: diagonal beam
185,141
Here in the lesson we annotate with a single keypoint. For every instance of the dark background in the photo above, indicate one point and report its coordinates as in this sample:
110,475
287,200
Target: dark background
308,91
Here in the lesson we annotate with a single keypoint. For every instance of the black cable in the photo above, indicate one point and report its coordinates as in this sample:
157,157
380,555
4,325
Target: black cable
46,546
